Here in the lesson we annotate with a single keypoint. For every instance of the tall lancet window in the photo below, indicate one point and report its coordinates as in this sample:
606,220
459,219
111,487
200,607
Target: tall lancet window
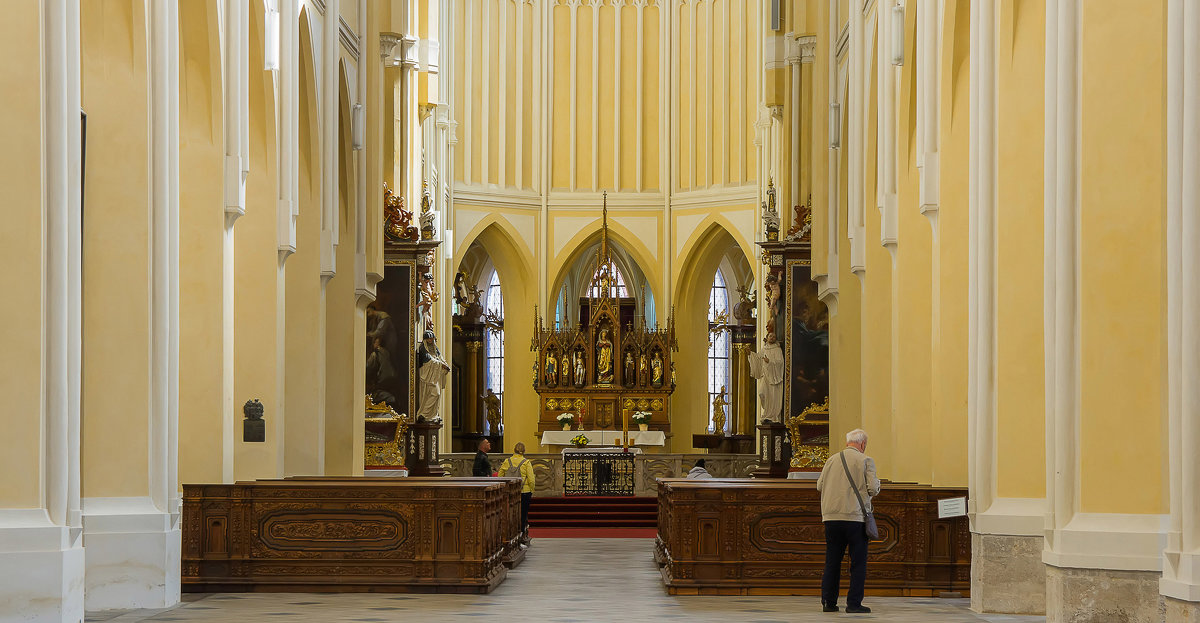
718,346
493,340
616,288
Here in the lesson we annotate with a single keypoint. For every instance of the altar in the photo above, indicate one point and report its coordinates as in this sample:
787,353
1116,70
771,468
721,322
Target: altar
605,437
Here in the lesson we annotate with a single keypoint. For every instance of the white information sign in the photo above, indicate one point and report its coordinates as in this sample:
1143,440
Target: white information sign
952,507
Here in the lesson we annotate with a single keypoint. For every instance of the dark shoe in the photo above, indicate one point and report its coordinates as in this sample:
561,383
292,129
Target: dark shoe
829,608
857,610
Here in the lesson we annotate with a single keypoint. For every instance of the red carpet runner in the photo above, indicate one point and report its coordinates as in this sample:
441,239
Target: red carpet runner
593,517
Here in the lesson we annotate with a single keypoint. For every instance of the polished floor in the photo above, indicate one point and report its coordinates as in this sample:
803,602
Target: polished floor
561,580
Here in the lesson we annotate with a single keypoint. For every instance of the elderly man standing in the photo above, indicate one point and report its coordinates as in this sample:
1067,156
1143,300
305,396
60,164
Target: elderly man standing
847,484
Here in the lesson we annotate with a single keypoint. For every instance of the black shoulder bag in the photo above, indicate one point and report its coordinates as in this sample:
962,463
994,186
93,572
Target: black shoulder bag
869,525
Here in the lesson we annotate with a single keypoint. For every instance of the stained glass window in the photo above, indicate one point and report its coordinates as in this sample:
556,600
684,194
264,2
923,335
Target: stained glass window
493,341
718,347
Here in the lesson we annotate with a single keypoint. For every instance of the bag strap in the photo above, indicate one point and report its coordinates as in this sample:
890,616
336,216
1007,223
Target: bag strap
853,487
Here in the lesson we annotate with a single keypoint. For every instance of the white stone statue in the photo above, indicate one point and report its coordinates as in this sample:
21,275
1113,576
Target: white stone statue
767,366
432,373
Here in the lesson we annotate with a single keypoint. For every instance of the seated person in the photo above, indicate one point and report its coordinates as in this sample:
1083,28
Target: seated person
698,472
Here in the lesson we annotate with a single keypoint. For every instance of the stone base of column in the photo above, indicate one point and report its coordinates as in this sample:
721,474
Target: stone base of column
1077,595
1182,611
41,569
1007,574
133,554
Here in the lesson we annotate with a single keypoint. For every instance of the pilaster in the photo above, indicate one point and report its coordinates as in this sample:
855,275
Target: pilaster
1181,558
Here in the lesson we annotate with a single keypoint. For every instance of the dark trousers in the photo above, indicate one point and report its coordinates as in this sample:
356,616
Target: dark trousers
525,499
838,536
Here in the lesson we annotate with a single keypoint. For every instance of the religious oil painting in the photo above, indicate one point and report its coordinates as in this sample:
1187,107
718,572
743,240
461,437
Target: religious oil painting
389,340
809,340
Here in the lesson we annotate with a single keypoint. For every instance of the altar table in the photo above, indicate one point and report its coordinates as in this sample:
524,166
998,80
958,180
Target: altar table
605,437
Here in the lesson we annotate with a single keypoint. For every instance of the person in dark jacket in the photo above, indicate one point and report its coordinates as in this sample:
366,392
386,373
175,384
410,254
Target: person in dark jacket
482,466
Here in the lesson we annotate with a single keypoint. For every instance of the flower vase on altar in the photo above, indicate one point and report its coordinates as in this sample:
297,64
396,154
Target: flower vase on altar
643,427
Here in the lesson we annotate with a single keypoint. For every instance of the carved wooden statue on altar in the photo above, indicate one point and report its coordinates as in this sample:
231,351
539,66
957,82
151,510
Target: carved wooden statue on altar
600,366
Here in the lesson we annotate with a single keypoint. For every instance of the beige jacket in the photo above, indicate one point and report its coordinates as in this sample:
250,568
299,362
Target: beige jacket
837,499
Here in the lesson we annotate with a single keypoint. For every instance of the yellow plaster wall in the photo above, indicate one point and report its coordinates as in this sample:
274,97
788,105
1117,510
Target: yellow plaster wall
202,217
115,400
950,339
718,64
304,433
1020,377
256,280
345,328
877,409
913,283
21,378
604,157
1122,238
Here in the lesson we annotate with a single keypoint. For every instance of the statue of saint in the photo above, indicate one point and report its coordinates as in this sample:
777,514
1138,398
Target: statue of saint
718,412
604,358
492,403
580,373
629,371
642,369
656,370
767,367
433,371
551,370
566,370
672,375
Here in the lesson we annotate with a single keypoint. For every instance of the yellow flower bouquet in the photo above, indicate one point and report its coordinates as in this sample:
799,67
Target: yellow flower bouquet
580,440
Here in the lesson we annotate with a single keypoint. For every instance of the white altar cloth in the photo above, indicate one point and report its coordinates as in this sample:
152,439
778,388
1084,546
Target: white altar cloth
605,437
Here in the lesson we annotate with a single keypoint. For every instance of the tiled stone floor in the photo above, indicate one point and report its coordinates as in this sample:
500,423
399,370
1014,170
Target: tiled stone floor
561,580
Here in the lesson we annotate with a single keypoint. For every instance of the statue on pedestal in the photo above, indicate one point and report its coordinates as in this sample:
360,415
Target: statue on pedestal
433,370
492,403
604,358
580,372
767,367
551,370
629,370
656,367
718,412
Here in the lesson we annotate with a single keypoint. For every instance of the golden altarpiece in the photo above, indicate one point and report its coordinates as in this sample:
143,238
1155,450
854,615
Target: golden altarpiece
606,362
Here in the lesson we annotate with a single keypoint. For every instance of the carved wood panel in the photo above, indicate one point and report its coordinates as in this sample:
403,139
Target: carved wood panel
769,537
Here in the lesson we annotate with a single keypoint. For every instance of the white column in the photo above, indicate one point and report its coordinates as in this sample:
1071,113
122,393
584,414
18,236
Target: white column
41,553
928,99
1181,558
981,292
827,285
793,195
133,543
288,208
1061,263
886,158
855,142
328,105
236,60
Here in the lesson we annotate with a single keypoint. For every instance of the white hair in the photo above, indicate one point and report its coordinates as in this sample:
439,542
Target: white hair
858,436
